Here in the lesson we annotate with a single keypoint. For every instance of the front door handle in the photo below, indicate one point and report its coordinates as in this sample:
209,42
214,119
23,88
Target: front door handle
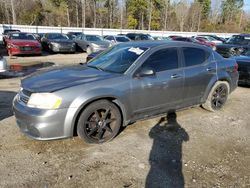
174,76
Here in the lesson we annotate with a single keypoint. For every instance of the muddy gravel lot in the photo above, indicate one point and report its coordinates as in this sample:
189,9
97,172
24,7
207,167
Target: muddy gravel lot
203,149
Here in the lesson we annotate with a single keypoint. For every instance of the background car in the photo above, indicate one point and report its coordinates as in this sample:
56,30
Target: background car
206,42
236,45
91,43
139,36
193,40
23,43
3,65
161,38
6,32
113,39
57,42
244,67
209,39
129,82
216,38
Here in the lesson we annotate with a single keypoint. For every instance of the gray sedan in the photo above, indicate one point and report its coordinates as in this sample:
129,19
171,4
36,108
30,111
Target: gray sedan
91,43
126,83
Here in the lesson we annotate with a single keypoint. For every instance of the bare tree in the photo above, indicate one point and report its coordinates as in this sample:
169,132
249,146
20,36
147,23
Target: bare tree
167,3
77,14
13,12
181,11
150,6
83,13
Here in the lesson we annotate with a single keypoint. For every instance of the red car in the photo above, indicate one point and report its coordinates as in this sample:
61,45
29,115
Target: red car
23,43
206,42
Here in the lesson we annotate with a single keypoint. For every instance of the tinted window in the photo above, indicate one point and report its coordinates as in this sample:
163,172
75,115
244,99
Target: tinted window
165,59
93,38
194,56
54,36
122,39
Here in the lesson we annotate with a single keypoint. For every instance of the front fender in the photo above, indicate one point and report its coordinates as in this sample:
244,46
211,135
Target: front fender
85,99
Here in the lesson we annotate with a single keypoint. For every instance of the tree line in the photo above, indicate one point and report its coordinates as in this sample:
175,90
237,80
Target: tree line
179,15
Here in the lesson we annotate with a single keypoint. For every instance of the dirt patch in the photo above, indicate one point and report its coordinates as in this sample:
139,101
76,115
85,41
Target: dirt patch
206,150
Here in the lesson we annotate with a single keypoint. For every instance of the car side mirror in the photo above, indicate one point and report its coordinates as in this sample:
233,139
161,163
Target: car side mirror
144,72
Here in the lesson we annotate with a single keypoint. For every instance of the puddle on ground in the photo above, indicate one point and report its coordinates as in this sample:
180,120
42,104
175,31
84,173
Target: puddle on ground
19,70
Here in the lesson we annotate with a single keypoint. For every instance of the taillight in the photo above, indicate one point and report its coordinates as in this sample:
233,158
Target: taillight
236,66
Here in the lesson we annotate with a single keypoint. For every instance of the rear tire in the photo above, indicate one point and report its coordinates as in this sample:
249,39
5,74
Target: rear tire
217,97
100,122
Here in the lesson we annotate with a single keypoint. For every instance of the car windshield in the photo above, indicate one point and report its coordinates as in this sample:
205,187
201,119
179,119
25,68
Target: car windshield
242,40
10,31
22,36
93,38
117,59
122,39
57,36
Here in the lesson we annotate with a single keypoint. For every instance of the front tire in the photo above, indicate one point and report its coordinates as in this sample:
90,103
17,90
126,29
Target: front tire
99,122
217,96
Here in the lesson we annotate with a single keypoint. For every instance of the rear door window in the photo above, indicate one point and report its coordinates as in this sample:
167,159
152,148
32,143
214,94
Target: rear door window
162,60
194,56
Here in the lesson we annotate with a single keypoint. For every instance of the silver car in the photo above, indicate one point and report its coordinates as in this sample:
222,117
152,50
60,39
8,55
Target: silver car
91,43
128,82
3,65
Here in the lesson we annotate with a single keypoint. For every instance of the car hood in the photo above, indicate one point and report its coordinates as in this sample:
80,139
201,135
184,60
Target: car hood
63,77
24,42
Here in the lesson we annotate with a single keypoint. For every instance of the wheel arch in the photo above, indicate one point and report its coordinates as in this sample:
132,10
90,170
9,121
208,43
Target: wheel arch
211,84
112,99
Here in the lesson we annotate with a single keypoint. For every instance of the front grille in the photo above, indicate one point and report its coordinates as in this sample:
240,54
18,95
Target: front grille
26,48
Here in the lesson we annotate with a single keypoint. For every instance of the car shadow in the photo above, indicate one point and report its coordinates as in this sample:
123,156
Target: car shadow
166,154
6,98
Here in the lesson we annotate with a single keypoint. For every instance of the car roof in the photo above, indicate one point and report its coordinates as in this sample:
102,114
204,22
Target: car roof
153,44
243,35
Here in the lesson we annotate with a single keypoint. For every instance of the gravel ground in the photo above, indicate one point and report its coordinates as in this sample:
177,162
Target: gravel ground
203,149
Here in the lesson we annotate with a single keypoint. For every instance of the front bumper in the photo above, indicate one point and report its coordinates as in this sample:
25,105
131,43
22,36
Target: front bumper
41,124
21,51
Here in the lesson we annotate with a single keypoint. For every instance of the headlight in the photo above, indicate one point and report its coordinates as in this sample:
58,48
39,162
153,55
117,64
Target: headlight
55,44
12,46
95,45
44,101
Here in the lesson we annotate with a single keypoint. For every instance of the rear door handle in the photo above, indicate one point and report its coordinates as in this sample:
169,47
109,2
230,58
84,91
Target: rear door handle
174,76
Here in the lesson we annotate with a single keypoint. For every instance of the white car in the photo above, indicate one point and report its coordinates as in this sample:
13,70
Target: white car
3,65
210,39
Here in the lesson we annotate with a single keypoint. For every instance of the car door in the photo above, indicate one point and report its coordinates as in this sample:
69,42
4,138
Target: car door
164,90
199,70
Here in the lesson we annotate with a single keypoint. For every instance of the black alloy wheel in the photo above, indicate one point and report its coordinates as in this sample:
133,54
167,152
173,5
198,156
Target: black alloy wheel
99,122
219,97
